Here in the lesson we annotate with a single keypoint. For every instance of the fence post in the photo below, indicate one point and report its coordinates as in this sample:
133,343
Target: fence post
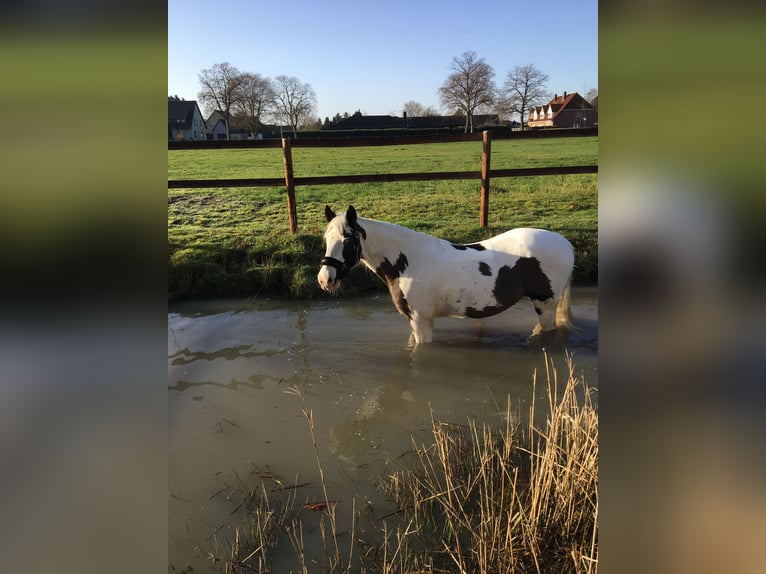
486,152
290,185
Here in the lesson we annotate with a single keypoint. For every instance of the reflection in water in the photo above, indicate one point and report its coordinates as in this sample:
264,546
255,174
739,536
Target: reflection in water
369,392
185,356
253,381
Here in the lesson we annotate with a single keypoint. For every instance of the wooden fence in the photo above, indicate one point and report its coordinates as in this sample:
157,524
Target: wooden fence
290,181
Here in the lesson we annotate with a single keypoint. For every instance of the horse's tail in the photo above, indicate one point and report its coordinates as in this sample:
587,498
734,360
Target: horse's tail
563,311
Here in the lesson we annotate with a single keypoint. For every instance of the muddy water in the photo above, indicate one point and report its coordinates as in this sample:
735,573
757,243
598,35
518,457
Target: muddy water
231,365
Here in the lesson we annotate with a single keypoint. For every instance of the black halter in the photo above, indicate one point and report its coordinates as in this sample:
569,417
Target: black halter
352,253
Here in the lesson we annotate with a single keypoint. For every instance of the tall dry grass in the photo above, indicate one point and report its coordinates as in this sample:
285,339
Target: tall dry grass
271,519
513,500
476,499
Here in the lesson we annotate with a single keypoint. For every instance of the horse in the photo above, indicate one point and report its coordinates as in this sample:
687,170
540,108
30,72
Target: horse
429,277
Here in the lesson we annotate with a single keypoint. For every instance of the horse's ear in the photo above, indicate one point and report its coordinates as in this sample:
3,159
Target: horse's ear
353,223
329,213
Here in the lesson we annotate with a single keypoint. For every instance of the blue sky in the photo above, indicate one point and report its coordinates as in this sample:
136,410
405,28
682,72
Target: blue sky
375,56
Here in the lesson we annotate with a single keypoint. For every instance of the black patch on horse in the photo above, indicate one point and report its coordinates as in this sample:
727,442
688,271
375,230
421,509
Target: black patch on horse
352,249
388,271
400,301
485,269
524,279
474,246
390,274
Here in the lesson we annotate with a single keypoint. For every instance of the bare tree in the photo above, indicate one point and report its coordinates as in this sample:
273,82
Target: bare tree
220,89
524,89
469,86
312,124
256,99
295,101
415,109
592,97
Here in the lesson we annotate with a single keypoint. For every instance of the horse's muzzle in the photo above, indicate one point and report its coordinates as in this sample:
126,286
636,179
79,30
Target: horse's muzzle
331,286
328,281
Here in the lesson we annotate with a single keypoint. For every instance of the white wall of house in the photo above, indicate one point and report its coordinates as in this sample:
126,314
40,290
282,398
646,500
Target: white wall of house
195,133
219,130
198,126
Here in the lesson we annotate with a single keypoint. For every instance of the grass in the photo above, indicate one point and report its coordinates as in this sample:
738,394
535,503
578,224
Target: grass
474,499
235,241
317,161
482,501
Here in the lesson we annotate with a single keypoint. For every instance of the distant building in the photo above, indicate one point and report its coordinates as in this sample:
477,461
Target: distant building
567,111
185,121
241,134
216,126
360,122
273,131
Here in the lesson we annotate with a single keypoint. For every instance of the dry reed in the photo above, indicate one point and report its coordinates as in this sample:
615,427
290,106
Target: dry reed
476,499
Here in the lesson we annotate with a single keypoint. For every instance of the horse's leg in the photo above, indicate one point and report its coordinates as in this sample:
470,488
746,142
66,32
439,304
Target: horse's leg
546,315
422,328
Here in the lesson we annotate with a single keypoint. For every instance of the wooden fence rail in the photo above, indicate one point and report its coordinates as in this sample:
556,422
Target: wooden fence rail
378,177
289,181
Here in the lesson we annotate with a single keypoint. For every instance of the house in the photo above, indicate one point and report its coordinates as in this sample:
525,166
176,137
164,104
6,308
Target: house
216,126
236,134
567,111
450,122
185,121
360,122
273,131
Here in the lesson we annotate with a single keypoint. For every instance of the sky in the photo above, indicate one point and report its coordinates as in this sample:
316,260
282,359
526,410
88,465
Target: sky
373,56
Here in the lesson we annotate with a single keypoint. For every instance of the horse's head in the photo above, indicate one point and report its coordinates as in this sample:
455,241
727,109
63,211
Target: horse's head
343,237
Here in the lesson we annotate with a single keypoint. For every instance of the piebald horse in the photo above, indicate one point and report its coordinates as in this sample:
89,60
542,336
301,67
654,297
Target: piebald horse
430,277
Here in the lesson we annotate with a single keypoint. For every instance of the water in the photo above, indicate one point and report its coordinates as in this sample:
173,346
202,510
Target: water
232,365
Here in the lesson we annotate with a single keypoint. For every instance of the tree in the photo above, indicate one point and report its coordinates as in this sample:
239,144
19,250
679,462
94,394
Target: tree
220,89
295,101
592,97
469,86
524,89
415,109
313,124
256,99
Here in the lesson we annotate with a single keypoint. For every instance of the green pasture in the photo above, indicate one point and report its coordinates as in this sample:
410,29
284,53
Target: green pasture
236,241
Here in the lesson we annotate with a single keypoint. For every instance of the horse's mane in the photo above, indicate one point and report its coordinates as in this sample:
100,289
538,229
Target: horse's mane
395,227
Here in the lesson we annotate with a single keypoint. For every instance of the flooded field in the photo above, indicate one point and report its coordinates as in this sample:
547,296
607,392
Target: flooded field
233,415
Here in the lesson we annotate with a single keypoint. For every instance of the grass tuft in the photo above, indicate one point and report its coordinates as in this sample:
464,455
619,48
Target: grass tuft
484,500
514,499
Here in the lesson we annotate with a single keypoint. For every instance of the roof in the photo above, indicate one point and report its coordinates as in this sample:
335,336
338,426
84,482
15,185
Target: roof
558,104
274,131
181,113
451,121
213,120
215,116
360,122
